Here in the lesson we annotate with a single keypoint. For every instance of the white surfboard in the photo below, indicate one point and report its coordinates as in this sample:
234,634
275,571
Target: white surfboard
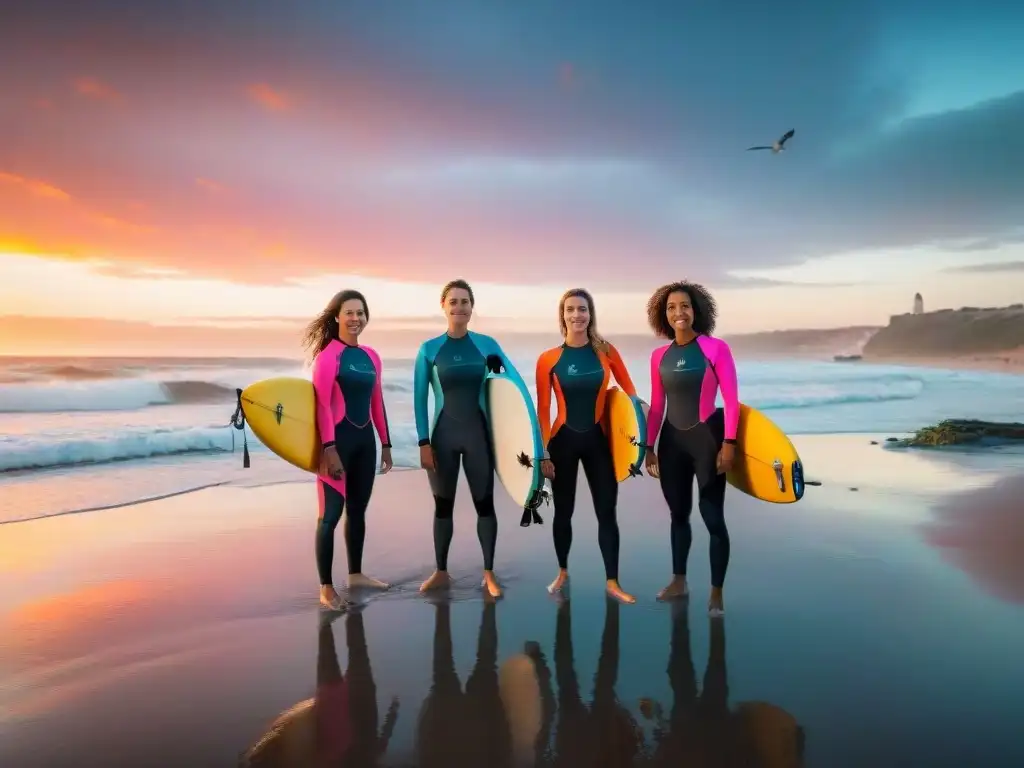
515,439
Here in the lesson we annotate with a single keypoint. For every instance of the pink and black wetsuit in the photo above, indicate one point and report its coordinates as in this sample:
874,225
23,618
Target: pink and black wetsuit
347,381
685,379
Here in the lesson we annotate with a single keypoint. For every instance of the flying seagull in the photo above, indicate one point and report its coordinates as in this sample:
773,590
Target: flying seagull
779,145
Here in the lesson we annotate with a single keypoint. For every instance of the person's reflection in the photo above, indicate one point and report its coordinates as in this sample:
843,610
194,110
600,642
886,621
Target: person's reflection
338,726
463,728
369,744
603,734
700,729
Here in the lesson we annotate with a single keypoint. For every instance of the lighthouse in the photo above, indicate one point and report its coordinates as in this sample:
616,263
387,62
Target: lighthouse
918,304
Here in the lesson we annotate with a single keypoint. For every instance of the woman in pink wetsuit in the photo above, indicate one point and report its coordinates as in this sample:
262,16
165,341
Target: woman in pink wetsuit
697,438
347,381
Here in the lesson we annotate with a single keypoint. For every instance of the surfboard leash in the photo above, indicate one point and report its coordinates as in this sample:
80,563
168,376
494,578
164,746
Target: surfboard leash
238,422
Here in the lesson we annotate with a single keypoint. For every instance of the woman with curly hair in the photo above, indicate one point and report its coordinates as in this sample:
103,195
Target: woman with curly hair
578,372
697,439
349,396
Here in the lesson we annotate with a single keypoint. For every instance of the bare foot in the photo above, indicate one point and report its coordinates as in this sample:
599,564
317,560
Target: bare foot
560,583
613,589
331,600
360,580
437,580
716,604
491,584
676,589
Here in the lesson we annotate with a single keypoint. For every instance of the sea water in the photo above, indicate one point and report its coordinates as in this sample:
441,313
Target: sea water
89,433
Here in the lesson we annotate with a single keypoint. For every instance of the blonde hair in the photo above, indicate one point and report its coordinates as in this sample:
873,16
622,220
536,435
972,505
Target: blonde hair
597,341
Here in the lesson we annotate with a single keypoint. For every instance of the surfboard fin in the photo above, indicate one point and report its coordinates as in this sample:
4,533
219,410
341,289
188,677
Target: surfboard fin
525,460
635,471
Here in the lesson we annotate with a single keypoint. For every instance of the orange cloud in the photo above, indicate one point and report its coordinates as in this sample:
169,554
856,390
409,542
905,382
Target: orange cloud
35,187
210,186
112,222
268,97
92,88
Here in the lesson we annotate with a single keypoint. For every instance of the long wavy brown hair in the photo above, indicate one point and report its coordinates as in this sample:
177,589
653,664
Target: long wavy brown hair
597,341
324,328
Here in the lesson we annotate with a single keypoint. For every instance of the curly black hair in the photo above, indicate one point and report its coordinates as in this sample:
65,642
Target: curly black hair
705,311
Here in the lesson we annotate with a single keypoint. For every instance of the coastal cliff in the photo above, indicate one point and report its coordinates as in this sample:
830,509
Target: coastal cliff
950,333
816,343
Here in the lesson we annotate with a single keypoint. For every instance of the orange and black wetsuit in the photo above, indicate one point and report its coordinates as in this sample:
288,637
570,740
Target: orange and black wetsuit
579,378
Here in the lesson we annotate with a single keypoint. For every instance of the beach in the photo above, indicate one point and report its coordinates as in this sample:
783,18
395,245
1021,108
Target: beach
176,632
1009,361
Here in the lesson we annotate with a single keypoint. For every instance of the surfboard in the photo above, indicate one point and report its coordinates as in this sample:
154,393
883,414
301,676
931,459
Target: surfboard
767,465
626,428
515,440
282,413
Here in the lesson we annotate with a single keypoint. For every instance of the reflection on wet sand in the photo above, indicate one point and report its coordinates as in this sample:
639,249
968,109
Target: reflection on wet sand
338,726
982,532
513,718
603,733
700,729
463,727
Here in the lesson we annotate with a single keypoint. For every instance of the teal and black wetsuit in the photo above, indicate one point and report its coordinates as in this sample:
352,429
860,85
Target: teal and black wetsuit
455,370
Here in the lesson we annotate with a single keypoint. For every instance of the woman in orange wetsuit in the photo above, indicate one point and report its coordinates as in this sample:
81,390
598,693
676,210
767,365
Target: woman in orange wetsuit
578,372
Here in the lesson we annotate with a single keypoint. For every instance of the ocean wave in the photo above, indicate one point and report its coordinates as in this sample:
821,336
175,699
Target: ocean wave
121,394
53,450
817,395
49,451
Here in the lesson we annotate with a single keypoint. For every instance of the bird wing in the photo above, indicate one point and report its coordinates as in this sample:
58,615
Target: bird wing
752,148
787,136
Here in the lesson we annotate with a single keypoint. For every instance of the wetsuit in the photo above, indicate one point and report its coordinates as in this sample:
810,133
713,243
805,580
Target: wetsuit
684,382
347,382
455,370
579,378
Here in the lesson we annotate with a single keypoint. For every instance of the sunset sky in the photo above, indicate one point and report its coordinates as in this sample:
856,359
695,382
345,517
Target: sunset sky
203,163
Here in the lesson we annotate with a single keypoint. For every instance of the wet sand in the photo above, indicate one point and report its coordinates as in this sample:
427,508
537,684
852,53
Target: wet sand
186,632
983,533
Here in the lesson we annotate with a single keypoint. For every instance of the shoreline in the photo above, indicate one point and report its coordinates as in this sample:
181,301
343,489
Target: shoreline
1009,361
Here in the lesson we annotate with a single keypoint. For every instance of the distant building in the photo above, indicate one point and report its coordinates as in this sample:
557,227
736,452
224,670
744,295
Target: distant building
918,304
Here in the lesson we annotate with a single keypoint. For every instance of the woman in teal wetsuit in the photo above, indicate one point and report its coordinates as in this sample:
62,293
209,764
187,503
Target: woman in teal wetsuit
454,366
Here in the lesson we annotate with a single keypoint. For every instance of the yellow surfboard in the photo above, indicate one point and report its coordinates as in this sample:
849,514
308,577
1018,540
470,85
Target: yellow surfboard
282,414
767,465
627,430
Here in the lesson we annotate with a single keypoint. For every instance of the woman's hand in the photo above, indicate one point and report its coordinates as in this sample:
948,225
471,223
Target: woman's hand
333,461
427,457
494,363
385,459
725,457
547,468
651,462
